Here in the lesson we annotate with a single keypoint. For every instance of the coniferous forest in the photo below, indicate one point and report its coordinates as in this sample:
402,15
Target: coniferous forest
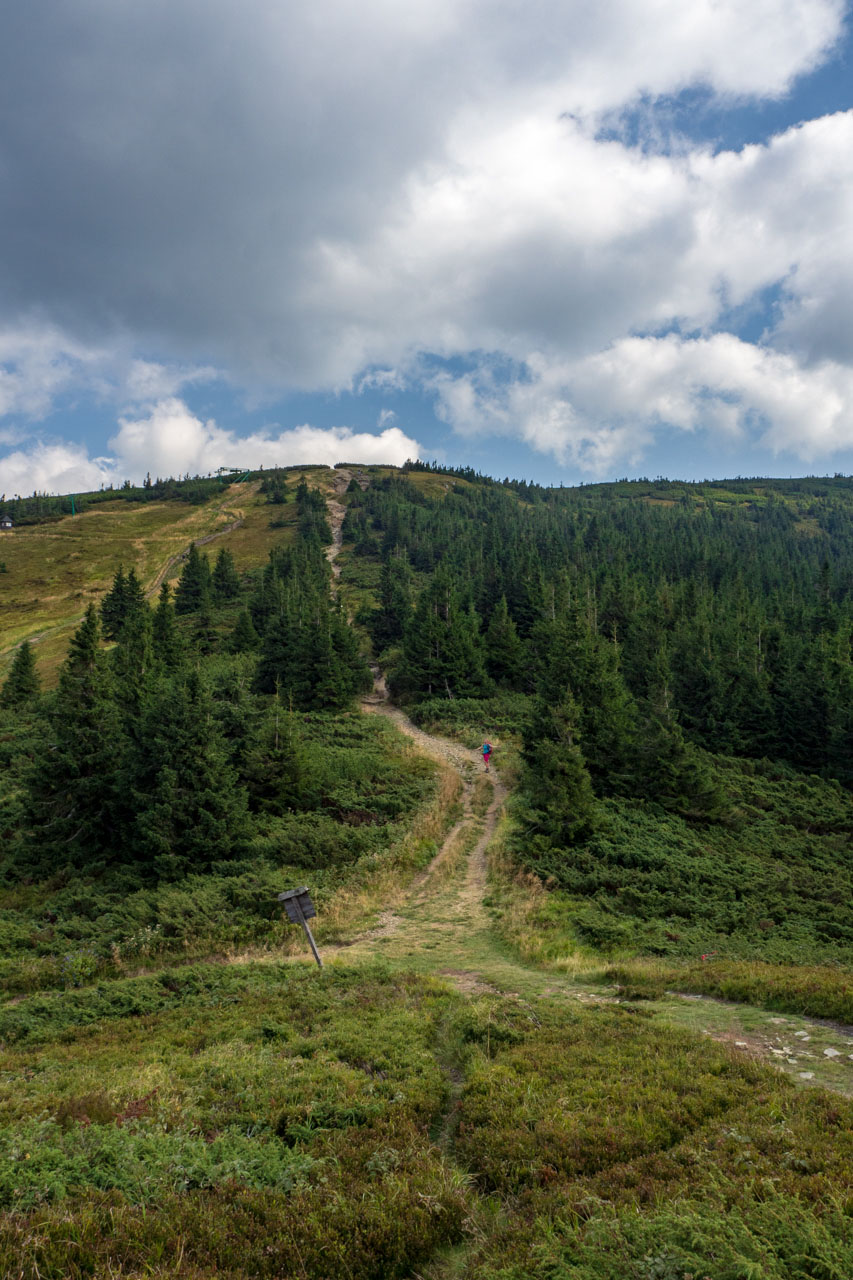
667,665
665,673
192,741
674,659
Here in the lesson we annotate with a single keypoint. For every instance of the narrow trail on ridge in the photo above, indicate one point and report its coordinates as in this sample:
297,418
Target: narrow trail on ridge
441,925
337,511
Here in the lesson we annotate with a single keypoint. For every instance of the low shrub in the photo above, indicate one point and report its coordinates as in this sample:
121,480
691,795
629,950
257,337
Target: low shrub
812,990
620,1149
775,884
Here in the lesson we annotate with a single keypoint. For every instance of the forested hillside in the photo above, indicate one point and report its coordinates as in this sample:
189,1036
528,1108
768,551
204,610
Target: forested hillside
674,662
667,666
726,608
191,750
504,1070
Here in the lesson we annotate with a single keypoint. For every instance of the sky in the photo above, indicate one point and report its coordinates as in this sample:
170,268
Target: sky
570,240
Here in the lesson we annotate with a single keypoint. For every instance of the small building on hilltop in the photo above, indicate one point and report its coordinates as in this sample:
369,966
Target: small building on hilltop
6,522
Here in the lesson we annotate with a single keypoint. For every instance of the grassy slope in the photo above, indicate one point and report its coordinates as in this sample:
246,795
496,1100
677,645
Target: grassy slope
269,1120
55,570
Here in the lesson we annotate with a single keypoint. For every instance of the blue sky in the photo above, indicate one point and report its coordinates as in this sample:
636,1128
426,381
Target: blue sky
570,244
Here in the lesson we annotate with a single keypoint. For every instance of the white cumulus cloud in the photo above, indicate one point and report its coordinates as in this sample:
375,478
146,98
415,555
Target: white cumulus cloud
170,440
57,467
604,409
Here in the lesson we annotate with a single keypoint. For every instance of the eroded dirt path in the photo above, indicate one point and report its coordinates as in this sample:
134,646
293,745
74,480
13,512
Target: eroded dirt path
443,926
337,511
443,919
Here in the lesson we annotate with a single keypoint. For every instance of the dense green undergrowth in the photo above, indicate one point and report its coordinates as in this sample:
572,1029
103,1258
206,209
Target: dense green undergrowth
262,1121
474,719
771,881
363,789
624,1151
269,1120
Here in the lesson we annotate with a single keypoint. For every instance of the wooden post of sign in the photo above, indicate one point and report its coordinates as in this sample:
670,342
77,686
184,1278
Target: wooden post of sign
308,934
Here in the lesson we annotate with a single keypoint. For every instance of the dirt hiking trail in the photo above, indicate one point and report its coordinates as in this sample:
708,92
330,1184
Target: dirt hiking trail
245,491
441,924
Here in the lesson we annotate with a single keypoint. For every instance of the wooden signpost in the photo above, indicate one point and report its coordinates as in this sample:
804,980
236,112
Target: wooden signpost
300,909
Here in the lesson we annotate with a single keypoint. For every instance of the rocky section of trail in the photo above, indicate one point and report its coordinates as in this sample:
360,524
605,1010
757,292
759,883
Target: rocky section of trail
337,511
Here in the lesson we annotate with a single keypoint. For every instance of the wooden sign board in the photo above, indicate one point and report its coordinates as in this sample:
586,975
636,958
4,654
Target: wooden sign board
298,905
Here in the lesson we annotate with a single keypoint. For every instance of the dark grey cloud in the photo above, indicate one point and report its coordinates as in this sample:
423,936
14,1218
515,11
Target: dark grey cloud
175,170
299,193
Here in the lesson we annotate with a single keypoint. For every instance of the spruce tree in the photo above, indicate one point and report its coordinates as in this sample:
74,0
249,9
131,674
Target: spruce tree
132,662
134,597
226,581
443,652
504,650
125,598
190,810
671,770
395,600
22,685
465,656
205,635
244,637
74,807
114,606
325,674
193,590
559,802
280,665
575,658
279,771
166,641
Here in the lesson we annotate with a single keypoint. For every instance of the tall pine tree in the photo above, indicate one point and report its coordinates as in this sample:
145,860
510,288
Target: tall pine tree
505,659
75,809
166,641
225,580
193,590
559,803
114,606
190,810
22,684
